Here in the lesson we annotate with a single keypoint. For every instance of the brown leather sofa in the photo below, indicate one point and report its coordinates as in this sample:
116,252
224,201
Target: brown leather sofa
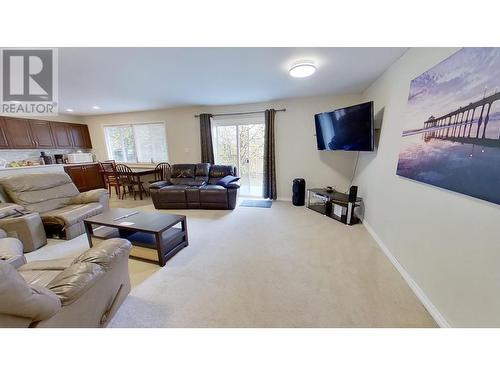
195,186
81,292
55,197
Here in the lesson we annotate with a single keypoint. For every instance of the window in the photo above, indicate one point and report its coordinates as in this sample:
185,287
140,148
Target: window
137,143
239,141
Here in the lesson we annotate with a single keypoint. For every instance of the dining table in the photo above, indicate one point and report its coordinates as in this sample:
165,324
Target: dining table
137,173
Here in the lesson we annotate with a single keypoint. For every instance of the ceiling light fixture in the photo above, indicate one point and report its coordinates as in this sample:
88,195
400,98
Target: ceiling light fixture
96,107
302,69
69,110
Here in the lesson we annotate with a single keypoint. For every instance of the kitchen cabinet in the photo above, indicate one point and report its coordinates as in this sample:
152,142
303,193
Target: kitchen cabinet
62,135
85,177
4,142
42,134
80,136
18,132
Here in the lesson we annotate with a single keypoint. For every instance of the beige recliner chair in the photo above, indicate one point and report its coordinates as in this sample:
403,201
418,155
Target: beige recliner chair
81,292
55,197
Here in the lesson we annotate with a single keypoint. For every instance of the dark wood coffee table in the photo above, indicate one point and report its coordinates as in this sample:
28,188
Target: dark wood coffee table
143,228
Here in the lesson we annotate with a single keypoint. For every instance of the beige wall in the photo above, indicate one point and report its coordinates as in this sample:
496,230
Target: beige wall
296,153
448,243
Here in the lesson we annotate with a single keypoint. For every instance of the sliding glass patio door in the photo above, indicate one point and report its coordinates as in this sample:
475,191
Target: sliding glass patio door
240,141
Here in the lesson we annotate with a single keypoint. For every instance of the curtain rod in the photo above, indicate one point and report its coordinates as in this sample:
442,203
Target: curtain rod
242,113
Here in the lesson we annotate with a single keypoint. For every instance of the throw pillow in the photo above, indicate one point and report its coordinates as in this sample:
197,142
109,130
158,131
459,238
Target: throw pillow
224,181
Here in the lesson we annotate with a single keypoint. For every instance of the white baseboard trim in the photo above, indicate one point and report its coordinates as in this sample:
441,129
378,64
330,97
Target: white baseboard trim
435,313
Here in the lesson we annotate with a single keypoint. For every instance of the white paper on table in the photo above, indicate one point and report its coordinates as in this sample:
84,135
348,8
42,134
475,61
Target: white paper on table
337,210
126,223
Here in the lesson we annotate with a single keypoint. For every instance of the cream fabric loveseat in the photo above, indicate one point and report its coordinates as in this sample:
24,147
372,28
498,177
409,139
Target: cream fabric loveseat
55,197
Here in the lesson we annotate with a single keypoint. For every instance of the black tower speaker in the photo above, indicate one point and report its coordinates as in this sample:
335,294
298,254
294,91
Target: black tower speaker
299,192
353,193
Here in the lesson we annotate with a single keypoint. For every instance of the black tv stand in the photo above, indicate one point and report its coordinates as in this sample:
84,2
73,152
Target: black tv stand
333,204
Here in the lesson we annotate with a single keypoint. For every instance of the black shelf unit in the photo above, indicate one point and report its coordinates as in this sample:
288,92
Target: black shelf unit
333,204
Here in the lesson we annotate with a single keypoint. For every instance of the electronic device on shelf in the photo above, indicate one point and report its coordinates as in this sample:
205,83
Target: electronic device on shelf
329,189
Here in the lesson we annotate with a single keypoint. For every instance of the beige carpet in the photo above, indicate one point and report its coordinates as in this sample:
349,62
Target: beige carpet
283,266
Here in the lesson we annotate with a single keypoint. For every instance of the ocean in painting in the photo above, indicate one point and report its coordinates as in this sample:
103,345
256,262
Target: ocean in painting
451,135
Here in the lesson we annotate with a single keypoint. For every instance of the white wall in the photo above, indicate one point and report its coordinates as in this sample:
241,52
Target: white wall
447,242
296,153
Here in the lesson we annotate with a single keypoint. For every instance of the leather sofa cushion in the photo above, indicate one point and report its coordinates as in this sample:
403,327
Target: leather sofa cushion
50,264
213,194
182,174
40,278
183,171
21,299
175,188
40,192
181,181
71,214
202,170
193,195
173,193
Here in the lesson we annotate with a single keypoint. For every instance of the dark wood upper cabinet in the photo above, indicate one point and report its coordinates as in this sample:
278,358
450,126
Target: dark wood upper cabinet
78,135
19,132
42,134
31,133
86,136
62,134
4,141
81,136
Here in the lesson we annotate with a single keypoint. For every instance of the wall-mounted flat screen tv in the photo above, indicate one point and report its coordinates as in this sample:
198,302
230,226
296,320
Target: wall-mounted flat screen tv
348,129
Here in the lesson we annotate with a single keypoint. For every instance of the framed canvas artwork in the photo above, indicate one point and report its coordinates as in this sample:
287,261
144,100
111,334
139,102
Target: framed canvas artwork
451,134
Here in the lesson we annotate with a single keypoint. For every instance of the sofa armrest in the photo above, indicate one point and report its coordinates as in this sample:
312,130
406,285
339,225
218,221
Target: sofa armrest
233,185
107,253
159,184
97,195
75,280
11,251
28,228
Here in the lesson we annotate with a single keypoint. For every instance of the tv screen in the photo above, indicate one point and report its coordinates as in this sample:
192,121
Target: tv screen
348,129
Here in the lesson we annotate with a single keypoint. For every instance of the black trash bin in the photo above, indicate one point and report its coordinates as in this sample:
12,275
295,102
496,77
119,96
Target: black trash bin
298,192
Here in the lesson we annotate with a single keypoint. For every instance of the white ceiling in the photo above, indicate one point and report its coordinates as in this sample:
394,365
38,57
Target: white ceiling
135,79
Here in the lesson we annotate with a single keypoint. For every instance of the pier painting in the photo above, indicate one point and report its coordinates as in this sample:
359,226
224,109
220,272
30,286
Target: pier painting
451,135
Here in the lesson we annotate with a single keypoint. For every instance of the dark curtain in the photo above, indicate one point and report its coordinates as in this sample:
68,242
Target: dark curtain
269,157
207,150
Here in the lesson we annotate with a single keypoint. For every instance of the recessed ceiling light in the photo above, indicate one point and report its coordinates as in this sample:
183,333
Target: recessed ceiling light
69,110
96,107
302,69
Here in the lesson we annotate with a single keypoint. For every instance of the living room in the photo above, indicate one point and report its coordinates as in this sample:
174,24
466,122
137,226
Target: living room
242,185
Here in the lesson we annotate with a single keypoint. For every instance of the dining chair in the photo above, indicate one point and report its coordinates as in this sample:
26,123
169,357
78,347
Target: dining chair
162,172
128,181
110,176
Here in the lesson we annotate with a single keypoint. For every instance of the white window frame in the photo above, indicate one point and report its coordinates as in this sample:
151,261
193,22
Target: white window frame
108,150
